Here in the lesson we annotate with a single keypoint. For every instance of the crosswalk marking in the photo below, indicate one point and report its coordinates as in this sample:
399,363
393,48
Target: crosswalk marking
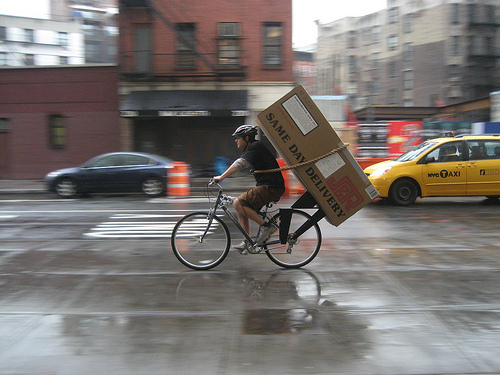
131,226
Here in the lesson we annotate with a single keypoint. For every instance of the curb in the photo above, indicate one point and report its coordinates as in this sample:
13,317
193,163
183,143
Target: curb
23,187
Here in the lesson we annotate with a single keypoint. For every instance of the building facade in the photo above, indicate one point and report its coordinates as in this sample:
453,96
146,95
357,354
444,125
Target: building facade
304,69
191,71
56,117
413,53
30,41
98,19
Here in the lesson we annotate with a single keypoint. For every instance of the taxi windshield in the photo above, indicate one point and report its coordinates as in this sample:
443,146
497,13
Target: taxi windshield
416,151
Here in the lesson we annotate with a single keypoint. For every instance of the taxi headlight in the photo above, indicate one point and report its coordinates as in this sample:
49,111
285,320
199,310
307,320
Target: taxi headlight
380,172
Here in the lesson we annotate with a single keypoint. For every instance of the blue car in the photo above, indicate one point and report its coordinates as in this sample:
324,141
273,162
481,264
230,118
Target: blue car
116,172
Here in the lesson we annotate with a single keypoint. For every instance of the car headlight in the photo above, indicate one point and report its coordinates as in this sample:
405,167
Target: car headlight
380,172
52,174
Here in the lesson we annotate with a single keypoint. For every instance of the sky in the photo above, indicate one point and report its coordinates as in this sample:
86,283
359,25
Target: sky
305,12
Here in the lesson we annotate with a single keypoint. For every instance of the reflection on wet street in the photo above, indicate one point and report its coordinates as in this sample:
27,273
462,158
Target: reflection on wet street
393,291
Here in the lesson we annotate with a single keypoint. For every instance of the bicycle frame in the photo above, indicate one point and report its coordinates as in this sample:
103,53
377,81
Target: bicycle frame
305,201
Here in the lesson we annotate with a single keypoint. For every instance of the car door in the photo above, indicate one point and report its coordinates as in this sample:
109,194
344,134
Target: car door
132,172
483,167
444,173
100,176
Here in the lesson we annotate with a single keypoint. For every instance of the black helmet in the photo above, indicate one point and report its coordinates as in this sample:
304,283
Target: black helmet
244,130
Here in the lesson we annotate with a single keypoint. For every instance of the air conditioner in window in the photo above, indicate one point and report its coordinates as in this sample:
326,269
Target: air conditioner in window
229,29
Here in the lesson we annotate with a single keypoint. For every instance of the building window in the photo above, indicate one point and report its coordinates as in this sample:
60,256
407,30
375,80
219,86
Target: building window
3,58
3,33
352,64
63,60
376,33
393,15
391,69
186,41
4,125
273,33
142,55
454,73
392,96
455,45
408,23
57,131
490,14
455,13
489,45
29,59
471,46
351,39
29,35
472,13
408,52
229,43
408,80
63,39
375,58
392,42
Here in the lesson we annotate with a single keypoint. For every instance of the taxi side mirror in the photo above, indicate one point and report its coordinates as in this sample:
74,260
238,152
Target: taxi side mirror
429,159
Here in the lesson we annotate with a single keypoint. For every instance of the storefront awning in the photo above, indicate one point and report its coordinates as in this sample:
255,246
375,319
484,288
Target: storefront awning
185,103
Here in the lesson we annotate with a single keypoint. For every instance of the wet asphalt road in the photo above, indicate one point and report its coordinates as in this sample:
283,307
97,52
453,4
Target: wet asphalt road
90,286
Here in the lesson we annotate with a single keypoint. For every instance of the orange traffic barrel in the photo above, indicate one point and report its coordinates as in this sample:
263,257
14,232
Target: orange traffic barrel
178,180
296,187
292,185
285,175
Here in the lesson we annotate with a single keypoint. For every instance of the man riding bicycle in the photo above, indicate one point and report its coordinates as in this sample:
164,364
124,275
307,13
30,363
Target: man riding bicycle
269,186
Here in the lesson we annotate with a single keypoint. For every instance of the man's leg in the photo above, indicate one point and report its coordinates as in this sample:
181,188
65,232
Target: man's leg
245,213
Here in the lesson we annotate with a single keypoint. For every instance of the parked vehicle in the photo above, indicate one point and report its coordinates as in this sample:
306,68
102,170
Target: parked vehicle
116,172
448,166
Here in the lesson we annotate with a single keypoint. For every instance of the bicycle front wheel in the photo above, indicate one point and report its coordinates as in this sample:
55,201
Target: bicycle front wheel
299,252
198,243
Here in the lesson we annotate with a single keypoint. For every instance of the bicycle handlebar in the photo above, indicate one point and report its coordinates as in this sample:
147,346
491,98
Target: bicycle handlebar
213,182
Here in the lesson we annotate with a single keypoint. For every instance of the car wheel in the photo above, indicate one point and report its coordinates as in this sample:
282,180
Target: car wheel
152,186
403,192
66,188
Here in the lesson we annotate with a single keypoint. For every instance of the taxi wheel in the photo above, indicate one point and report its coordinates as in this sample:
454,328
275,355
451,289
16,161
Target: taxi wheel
403,192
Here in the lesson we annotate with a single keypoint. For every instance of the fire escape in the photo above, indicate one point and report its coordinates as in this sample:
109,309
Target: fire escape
142,63
480,75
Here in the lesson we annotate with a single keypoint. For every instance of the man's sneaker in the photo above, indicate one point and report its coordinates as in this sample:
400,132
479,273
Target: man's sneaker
242,247
265,233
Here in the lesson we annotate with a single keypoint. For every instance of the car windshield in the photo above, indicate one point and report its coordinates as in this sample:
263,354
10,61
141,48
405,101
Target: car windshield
416,151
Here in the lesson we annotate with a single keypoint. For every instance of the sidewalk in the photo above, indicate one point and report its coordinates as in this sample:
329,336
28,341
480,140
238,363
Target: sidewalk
232,184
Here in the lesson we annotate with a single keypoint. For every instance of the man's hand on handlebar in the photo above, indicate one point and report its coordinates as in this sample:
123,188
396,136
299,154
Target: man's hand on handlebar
217,179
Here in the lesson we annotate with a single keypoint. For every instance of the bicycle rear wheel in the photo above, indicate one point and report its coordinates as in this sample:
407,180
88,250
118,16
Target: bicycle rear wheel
299,252
199,244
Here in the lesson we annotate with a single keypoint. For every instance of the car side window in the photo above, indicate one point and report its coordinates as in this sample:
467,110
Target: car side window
492,149
447,152
135,160
108,161
483,149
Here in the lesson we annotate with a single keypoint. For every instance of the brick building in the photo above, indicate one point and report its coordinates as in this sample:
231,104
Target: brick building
191,71
56,117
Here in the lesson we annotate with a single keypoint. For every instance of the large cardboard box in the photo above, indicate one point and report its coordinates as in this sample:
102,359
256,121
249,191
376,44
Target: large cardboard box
300,132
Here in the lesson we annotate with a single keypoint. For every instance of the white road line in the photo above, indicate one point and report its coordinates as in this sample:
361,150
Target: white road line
8,216
120,228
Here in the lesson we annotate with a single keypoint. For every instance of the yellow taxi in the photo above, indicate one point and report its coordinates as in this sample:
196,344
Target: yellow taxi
450,166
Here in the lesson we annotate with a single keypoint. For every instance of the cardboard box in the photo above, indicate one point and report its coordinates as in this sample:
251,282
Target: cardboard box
300,132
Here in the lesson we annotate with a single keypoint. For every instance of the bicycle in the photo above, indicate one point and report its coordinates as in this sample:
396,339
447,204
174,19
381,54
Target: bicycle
201,240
